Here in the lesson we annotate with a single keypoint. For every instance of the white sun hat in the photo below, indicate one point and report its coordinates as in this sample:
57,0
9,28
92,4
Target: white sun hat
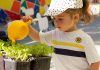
59,6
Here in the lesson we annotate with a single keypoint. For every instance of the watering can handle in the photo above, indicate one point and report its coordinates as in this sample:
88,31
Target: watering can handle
32,21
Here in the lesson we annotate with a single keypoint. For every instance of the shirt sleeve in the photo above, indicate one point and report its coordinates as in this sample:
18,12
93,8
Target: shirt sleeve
90,50
46,37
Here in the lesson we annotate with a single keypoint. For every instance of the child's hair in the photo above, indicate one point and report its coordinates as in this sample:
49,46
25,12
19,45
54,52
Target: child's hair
83,12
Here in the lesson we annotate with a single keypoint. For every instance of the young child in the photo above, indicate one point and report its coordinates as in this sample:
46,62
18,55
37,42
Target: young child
74,49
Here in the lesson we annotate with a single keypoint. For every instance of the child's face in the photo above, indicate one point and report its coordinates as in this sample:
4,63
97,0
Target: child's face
64,22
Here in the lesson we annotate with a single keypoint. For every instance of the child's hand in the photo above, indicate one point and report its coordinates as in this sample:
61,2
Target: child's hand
26,18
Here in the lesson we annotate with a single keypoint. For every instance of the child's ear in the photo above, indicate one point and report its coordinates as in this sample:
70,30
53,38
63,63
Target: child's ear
76,17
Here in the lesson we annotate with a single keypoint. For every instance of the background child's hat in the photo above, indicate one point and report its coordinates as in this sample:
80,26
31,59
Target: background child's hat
59,6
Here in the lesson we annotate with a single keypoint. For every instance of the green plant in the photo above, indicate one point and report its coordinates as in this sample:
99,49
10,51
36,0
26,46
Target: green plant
0,53
1,45
17,53
4,43
21,52
41,50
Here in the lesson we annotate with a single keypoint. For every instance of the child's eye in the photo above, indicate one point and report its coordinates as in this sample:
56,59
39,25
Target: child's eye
60,19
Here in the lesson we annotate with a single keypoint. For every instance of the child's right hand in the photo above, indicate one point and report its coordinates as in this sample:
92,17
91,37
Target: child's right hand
26,18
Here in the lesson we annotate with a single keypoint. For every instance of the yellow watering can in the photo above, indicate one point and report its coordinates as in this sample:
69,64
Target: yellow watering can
18,30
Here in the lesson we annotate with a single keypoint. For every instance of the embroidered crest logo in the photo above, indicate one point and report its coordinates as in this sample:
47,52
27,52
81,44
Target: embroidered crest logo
78,40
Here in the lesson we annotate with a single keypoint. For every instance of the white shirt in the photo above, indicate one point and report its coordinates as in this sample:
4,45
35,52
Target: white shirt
74,50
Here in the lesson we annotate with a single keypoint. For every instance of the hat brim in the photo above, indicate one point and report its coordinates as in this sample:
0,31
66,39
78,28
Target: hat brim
59,6
50,13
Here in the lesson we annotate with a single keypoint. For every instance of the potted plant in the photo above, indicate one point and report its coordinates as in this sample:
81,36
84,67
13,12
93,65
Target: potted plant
25,57
42,60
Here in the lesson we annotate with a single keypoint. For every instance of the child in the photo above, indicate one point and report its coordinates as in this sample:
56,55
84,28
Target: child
74,49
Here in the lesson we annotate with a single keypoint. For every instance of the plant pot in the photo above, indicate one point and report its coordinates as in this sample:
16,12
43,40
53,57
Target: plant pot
16,65
1,63
41,63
